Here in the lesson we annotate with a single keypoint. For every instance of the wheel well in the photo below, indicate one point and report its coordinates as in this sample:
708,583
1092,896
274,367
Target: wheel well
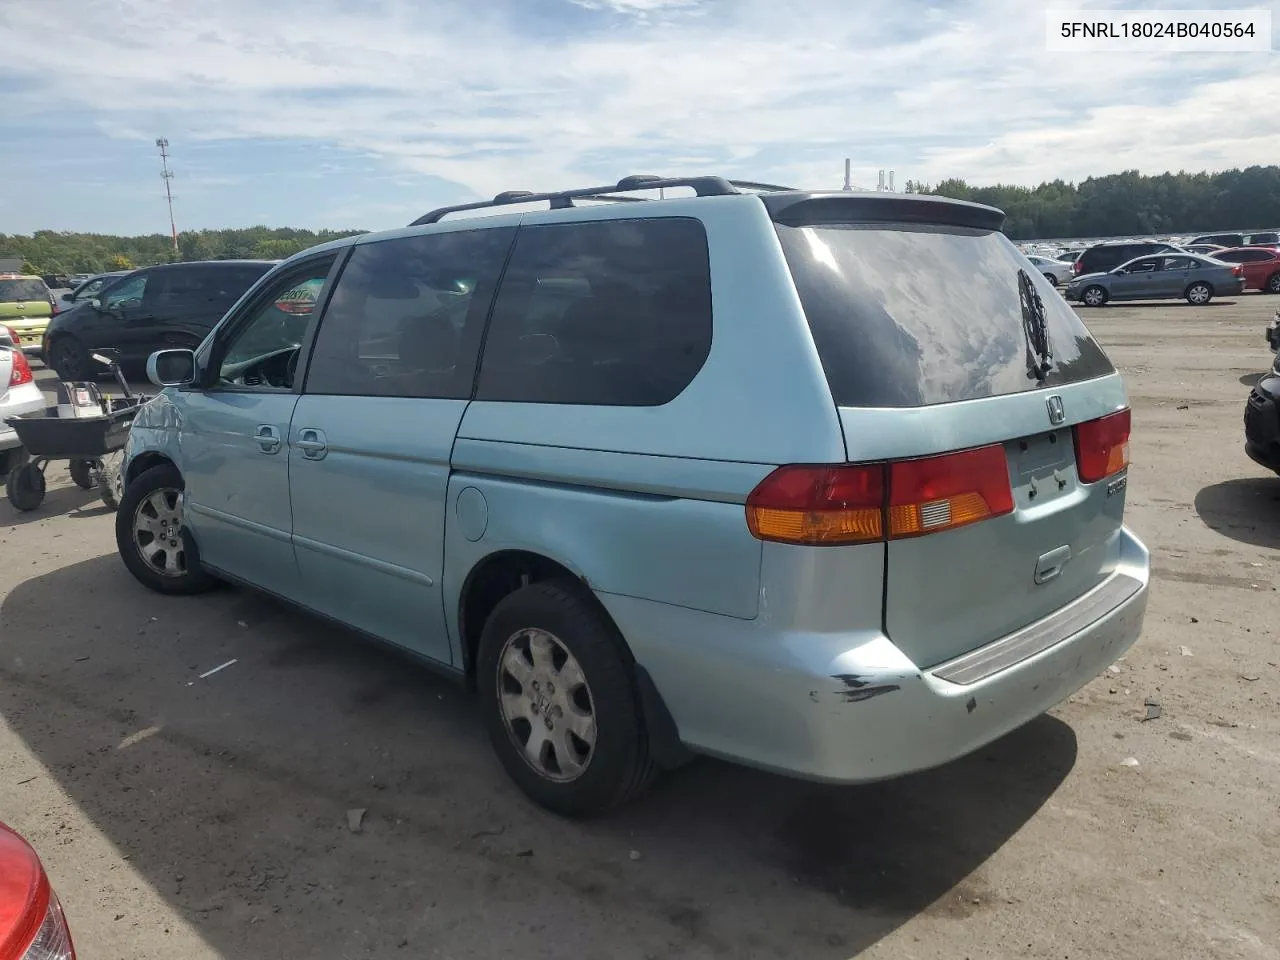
143,462
493,578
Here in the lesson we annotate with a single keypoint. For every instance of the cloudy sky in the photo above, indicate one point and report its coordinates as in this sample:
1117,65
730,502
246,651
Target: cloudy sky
365,113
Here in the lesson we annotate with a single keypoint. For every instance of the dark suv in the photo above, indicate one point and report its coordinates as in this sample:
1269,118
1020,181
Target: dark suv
170,305
1102,257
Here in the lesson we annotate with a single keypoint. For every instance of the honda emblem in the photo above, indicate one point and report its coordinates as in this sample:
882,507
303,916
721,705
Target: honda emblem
1056,413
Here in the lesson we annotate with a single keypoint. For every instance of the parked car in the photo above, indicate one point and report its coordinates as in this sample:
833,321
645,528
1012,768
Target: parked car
1102,257
19,395
631,565
1055,271
77,278
92,287
26,306
1261,266
174,304
1169,276
1260,238
32,924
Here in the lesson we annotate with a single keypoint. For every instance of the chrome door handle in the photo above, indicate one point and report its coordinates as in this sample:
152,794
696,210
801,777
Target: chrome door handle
268,438
312,443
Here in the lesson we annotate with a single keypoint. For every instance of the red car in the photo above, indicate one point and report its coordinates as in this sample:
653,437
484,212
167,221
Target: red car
1261,266
32,926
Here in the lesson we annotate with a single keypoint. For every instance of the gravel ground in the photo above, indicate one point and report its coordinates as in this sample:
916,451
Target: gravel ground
195,818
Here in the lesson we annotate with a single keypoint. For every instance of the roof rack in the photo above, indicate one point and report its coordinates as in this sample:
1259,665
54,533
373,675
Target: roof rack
702,186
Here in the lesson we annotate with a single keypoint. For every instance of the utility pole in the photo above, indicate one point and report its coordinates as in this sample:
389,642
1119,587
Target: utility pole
848,183
167,174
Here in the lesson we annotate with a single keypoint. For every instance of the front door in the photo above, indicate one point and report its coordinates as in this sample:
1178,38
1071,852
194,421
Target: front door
1138,279
389,379
235,439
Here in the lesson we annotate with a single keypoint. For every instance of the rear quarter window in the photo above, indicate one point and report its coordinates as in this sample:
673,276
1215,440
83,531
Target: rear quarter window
610,313
911,315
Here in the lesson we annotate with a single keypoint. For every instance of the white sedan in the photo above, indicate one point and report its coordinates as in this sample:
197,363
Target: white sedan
1056,272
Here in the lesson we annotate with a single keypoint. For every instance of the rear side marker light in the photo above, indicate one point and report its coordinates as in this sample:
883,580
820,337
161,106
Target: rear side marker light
864,503
1102,446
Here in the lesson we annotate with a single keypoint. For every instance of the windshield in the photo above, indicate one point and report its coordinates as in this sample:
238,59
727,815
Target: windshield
15,291
910,315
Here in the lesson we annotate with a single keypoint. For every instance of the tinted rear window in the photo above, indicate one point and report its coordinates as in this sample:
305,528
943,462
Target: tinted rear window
907,315
15,291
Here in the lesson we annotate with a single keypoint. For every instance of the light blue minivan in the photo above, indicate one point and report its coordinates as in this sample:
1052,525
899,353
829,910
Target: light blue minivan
723,473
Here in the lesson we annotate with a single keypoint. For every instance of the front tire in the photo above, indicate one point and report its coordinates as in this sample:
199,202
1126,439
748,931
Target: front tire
152,538
1198,294
1094,296
25,487
559,696
1273,283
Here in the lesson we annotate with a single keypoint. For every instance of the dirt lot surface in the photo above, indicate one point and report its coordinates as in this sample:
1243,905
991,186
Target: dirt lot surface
195,818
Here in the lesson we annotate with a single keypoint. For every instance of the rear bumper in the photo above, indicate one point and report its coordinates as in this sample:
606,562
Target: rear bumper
18,402
849,709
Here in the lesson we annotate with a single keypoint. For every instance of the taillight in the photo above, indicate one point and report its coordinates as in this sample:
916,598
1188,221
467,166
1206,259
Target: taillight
21,375
1102,446
1237,271
11,333
819,504
955,489
32,925
863,503
53,307
1078,267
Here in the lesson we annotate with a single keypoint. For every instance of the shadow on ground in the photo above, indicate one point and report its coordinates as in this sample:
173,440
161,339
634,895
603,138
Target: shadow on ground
1246,509
230,796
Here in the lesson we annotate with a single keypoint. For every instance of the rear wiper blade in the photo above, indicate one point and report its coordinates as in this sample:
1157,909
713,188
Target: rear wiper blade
1035,327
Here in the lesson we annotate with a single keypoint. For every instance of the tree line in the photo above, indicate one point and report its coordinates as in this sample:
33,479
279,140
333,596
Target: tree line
1129,204
55,252
1122,204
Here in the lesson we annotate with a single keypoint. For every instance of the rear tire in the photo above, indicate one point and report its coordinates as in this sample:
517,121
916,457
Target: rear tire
1273,283
550,634
1198,294
25,487
1094,296
82,473
152,538
111,481
68,358
1051,278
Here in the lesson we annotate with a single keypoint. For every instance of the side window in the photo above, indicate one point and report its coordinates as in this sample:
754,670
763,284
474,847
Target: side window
128,293
263,350
1180,263
1142,266
407,316
1256,256
1230,256
613,313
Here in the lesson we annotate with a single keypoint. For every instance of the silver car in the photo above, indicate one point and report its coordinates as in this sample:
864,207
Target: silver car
1160,277
19,395
1056,272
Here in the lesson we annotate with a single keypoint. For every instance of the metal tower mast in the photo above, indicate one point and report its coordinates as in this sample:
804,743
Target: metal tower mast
167,174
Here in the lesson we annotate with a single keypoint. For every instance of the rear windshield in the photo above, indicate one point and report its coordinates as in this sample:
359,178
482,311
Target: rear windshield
14,291
909,315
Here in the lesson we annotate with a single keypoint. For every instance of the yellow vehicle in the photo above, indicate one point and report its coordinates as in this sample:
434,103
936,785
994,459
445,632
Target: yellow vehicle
26,306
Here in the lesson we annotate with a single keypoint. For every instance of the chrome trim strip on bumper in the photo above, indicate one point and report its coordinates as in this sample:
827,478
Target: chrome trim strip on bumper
1041,635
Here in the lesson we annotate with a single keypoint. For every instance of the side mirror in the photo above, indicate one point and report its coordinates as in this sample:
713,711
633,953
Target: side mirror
68,297
172,368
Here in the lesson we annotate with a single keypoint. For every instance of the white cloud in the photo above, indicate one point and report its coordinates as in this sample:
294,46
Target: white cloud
486,98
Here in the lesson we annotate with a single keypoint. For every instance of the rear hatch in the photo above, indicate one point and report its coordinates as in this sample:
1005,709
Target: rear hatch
956,365
25,307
